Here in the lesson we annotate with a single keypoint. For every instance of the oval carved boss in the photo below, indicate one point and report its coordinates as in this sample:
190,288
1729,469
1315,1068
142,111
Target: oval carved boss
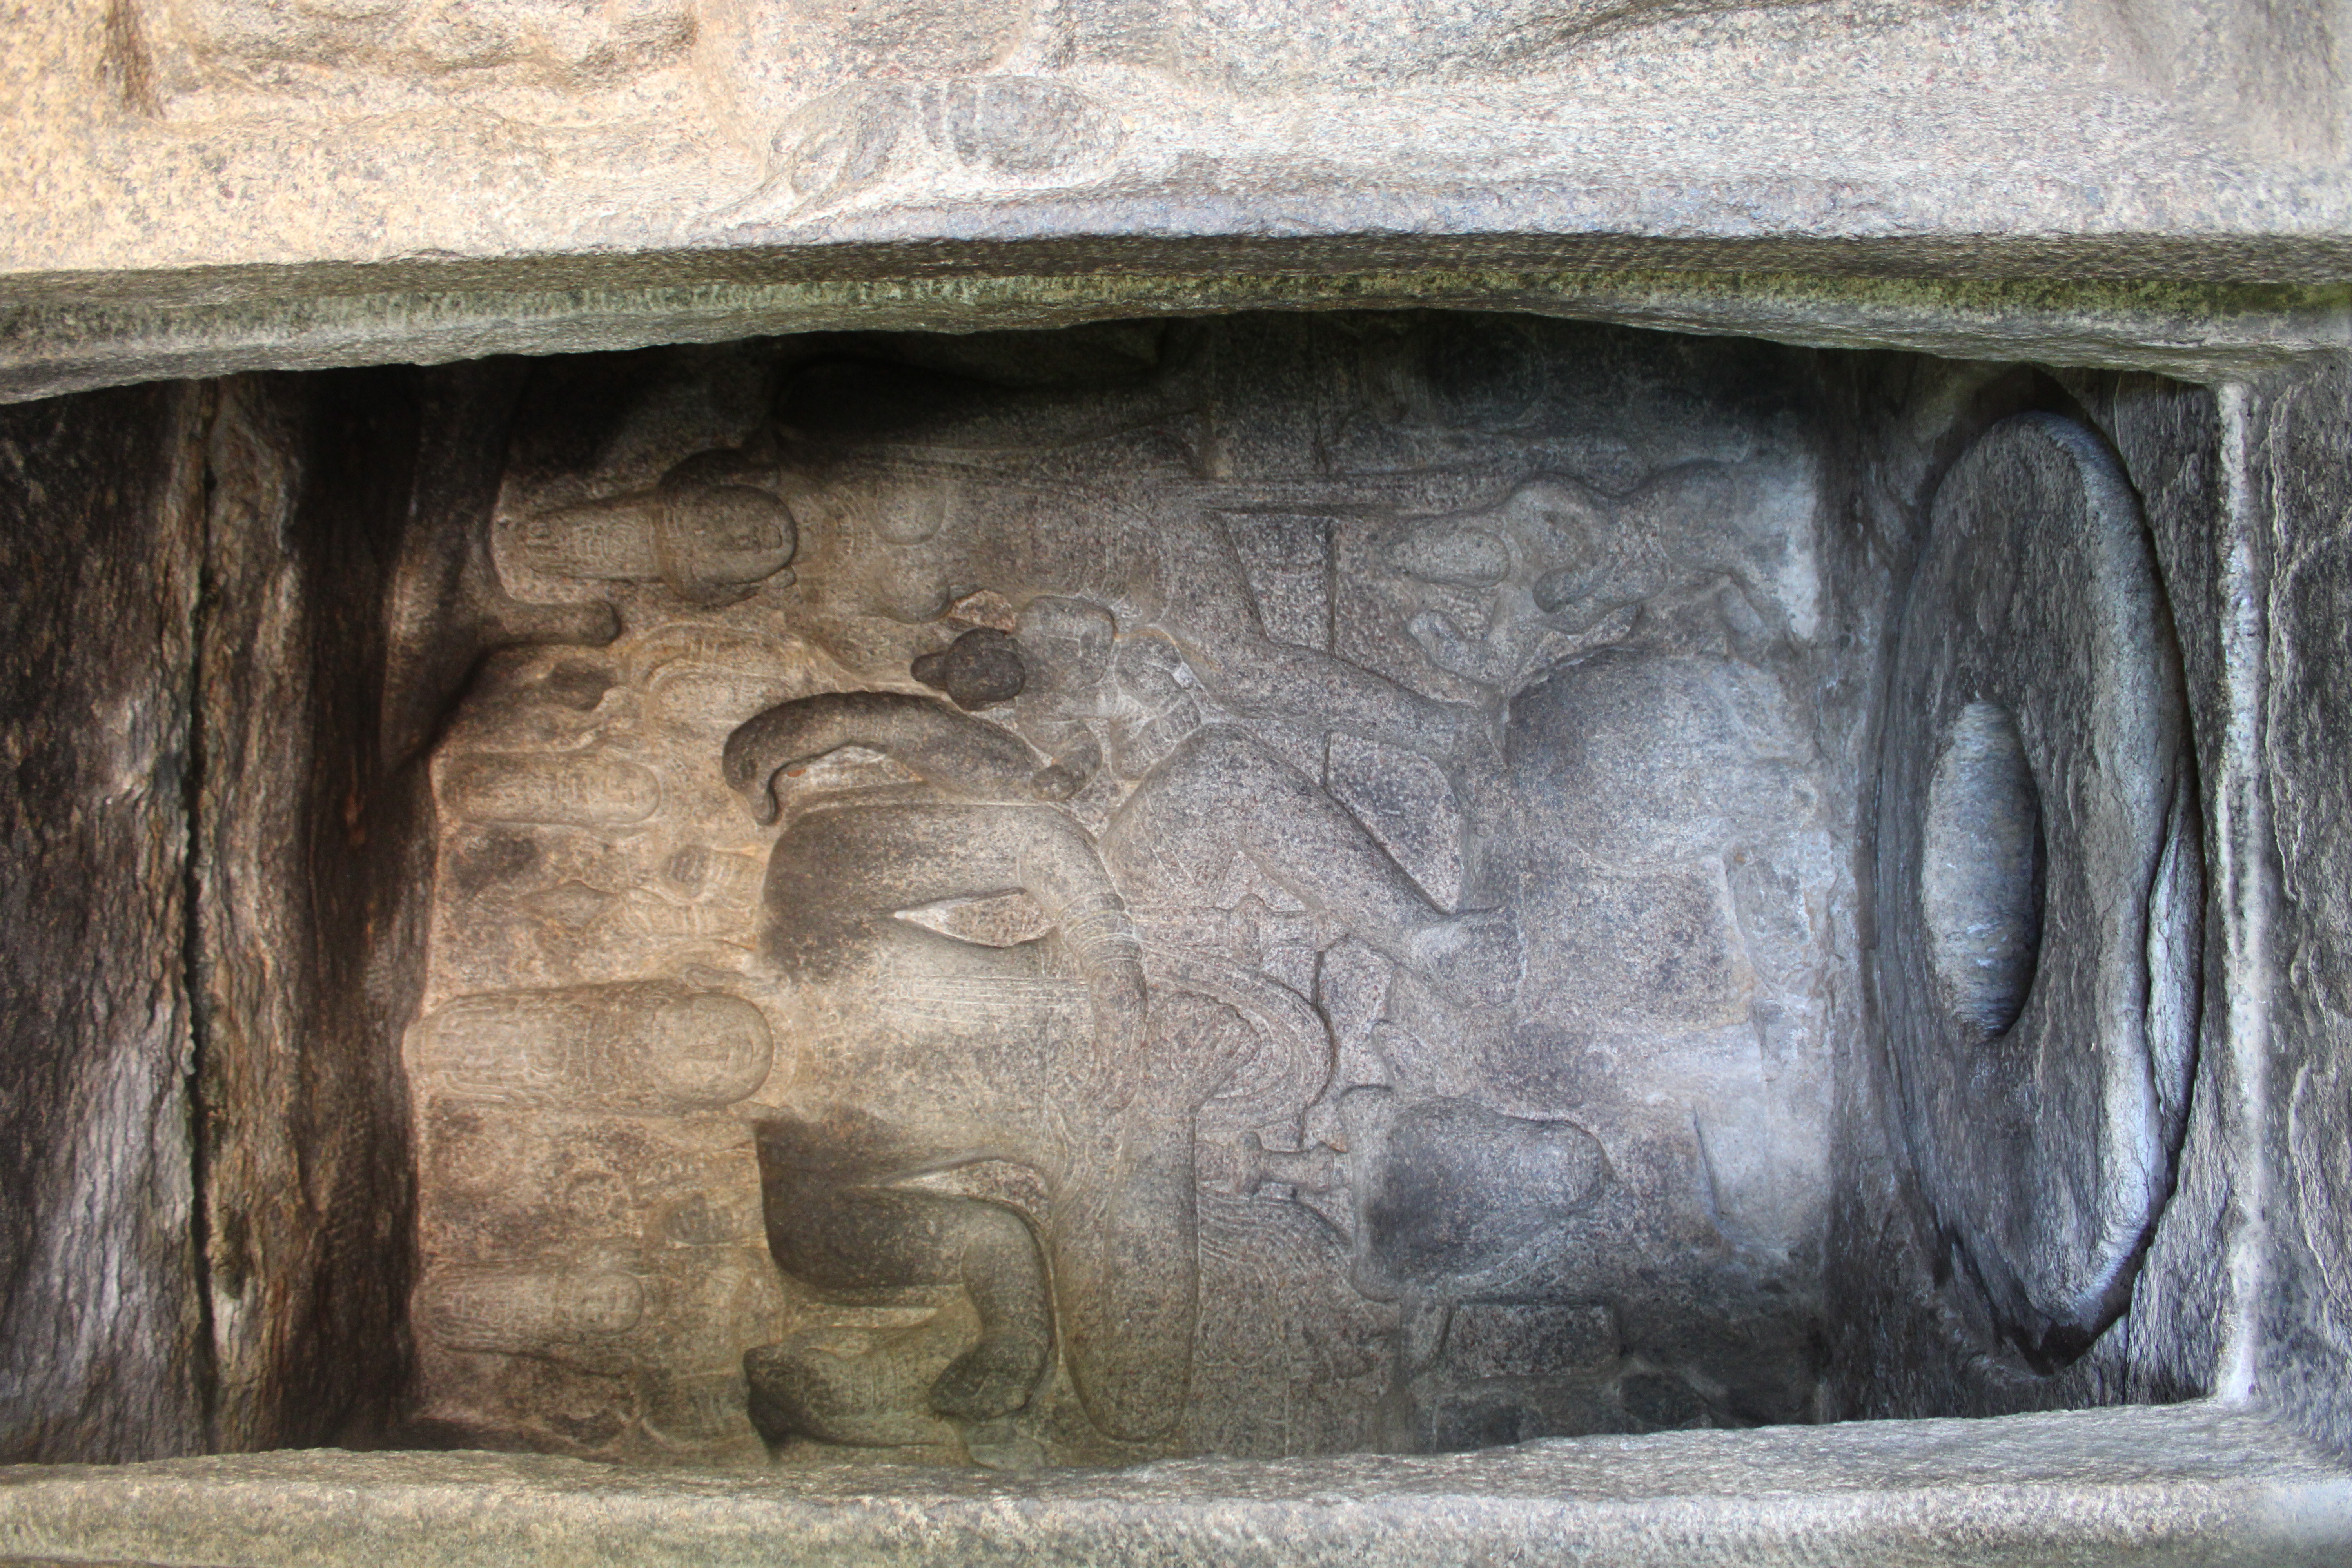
2040,880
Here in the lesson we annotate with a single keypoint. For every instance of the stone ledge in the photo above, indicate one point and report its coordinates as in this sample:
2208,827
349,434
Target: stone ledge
2199,332
2180,1484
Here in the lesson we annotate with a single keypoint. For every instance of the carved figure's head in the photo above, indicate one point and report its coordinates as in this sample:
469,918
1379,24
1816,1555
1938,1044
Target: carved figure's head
1066,645
981,668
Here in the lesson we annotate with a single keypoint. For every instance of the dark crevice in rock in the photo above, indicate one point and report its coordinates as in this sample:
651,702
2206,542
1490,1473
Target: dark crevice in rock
193,957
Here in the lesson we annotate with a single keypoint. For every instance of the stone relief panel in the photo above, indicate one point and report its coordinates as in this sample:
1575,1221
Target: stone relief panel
782,110
1261,887
761,53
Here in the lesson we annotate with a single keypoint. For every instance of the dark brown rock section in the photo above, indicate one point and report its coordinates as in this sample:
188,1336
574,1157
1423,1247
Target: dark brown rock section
206,949
102,1349
307,943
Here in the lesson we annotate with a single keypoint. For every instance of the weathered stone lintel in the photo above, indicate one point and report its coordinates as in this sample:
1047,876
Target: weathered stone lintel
2199,331
2182,1484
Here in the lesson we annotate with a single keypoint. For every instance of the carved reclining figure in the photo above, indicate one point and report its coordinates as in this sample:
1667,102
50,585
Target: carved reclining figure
929,1052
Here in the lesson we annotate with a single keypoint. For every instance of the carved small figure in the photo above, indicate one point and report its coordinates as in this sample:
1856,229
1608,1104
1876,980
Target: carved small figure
1555,558
1204,792
709,532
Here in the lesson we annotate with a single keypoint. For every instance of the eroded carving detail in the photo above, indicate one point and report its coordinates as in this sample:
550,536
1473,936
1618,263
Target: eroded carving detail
1147,911
636,1045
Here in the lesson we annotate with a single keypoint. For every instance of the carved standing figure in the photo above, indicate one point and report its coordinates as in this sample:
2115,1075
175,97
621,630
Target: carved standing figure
906,537
1204,792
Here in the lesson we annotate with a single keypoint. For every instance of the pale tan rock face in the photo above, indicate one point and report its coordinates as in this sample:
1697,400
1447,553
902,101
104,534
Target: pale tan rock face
216,184
1228,897
1244,899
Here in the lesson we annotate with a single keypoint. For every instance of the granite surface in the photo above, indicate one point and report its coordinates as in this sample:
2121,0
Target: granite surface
1092,896
209,186
2184,1484
103,1337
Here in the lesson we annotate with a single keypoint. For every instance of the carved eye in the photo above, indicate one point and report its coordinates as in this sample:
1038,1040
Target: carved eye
1002,920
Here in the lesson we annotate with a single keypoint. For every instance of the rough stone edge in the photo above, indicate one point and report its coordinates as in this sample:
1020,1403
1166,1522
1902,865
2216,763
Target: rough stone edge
2195,332
2243,875
2196,1483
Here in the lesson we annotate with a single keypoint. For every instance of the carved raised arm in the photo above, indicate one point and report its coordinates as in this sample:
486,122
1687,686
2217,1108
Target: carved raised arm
959,755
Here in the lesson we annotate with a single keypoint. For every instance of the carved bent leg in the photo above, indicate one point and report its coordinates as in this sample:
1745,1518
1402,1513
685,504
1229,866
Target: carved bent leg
1124,1233
1123,1252
834,1227
1222,791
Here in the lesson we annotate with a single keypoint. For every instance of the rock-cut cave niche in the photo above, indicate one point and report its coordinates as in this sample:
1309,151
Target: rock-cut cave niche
1270,887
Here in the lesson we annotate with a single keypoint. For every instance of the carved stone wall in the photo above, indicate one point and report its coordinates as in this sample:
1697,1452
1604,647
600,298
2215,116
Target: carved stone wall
1261,888
1291,885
